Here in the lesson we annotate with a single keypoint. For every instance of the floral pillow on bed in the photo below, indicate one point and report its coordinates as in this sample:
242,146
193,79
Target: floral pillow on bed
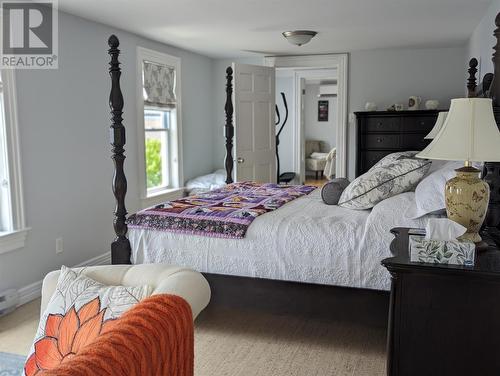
384,181
393,157
79,311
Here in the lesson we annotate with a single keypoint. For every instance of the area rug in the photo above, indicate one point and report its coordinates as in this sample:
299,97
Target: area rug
11,364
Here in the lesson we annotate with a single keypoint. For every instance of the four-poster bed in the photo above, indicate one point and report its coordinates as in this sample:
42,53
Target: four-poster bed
305,241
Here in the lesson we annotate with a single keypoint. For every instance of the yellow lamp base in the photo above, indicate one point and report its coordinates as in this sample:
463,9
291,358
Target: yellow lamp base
467,198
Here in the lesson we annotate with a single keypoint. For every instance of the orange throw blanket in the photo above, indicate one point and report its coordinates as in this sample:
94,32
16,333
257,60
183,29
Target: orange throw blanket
156,337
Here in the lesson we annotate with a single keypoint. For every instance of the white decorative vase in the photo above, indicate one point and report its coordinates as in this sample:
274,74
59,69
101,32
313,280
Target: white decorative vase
432,104
371,106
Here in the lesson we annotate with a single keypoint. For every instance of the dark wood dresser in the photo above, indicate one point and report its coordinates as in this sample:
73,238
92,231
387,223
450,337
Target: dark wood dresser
383,132
443,319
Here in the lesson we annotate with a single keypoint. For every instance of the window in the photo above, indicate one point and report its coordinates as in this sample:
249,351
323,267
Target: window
157,154
12,225
159,125
5,206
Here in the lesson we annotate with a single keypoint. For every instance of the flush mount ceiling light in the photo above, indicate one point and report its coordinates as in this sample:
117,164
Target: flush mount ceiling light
299,37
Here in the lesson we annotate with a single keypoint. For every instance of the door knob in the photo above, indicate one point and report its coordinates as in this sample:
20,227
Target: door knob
240,160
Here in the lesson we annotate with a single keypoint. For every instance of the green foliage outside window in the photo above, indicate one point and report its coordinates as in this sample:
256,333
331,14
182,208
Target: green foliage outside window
153,163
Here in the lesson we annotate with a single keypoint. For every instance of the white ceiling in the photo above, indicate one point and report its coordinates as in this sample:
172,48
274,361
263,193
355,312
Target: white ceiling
230,28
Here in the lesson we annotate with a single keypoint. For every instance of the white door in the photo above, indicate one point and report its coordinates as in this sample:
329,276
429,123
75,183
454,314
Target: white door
254,122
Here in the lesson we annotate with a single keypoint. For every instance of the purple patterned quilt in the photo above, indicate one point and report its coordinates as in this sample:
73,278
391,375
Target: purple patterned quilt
226,212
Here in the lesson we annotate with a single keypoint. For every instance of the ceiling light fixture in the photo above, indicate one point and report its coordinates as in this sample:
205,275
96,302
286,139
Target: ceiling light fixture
299,37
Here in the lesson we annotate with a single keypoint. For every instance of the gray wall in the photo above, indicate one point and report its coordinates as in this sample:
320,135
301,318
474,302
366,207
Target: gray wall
388,76
482,40
63,120
319,130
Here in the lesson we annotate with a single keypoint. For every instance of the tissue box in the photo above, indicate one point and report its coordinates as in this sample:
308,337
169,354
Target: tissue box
441,252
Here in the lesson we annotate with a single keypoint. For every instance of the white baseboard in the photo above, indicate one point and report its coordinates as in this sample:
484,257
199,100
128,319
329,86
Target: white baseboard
29,293
34,290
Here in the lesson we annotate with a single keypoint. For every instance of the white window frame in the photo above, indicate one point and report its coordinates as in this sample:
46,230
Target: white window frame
176,189
15,237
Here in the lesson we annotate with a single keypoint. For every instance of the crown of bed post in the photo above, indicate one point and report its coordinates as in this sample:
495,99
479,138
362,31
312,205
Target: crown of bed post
229,127
120,248
471,81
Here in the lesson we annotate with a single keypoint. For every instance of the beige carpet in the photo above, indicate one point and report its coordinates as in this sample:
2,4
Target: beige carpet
239,342
18,329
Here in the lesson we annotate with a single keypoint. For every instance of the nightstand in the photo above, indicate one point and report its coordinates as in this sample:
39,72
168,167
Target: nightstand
443,319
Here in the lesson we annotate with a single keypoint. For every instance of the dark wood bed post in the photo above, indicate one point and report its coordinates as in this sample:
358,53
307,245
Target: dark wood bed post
471,81
229,127
495,85
492,169
120,248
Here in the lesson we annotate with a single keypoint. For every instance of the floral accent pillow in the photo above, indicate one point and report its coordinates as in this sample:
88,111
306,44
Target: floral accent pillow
393,157
79,311
382,182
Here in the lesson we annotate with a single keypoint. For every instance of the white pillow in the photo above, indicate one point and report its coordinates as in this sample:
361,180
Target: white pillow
429,194
382,182
317,155
437,165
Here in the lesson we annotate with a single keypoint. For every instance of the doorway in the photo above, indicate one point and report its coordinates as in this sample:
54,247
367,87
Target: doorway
312,118
313,143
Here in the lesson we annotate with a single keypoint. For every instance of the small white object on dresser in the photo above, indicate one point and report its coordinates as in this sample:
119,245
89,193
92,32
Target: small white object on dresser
371,106
432,104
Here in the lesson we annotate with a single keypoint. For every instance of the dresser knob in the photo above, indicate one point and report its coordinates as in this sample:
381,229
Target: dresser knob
379,140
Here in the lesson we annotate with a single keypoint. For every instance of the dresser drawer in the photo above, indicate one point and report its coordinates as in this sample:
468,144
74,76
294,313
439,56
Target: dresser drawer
422,124
369,158
380,141
381,124
413,141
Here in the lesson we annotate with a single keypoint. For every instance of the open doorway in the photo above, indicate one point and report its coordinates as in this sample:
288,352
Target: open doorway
307,141
312,144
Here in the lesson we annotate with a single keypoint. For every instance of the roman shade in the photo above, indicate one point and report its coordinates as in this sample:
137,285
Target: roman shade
159,84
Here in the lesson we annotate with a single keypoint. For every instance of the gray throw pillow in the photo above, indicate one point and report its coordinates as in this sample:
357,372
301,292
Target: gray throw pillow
380,183
331,191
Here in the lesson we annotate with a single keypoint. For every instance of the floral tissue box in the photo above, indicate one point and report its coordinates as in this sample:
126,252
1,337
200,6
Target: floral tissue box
441,252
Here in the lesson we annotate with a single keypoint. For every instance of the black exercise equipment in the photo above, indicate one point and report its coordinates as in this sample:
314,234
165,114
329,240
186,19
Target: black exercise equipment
285,177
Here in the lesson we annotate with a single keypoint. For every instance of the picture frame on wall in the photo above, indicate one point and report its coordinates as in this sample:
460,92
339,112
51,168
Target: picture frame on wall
322,110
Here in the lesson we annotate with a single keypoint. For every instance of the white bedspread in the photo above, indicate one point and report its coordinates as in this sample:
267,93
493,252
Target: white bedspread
304,241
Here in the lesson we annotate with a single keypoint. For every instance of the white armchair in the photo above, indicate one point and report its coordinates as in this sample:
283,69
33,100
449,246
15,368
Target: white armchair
164,279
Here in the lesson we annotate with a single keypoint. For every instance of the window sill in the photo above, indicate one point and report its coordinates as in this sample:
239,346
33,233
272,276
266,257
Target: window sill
12,240
166,195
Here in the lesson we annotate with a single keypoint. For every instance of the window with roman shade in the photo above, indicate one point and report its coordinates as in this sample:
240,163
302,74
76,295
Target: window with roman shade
159,85
160,133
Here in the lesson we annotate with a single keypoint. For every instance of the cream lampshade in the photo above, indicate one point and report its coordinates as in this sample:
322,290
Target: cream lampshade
437,127
468,134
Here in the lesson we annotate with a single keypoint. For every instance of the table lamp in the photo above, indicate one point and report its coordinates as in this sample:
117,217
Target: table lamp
437,127
469,134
